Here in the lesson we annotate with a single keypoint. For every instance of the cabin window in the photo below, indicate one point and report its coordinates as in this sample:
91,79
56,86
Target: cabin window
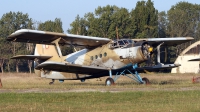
91,58
126,42
130,41
96,56
100,55
121,43
105,54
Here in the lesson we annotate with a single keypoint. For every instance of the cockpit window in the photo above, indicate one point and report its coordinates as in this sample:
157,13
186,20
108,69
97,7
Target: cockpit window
121,43
130,41
126,42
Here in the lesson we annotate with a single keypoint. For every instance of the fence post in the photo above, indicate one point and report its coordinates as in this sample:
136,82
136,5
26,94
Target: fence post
1,83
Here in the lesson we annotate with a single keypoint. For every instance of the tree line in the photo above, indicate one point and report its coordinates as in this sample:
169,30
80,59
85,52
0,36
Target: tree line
143,21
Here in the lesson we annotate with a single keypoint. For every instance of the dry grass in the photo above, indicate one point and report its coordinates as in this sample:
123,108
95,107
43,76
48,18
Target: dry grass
168,92
158,80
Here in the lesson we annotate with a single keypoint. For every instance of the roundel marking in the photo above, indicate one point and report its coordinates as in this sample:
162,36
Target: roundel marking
46,46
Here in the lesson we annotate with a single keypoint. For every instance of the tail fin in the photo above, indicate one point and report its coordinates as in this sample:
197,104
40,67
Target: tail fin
47,50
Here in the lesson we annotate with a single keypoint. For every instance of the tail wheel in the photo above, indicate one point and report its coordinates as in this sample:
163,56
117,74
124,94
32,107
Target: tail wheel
50,83
145,81
109,82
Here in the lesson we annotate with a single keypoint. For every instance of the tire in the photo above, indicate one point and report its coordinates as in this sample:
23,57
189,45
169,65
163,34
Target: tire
145,81
109,81
50,83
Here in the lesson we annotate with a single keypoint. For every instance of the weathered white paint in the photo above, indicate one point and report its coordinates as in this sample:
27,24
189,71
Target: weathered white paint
73,57
186,66
55,75
127,52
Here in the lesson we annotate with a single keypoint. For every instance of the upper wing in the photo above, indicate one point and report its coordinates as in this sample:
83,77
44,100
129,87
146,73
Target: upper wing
166,41
43,37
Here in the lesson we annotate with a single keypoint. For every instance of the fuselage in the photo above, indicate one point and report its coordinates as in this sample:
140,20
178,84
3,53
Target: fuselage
108,56
114,55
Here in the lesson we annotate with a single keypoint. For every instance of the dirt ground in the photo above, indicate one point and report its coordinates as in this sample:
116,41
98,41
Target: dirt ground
29,83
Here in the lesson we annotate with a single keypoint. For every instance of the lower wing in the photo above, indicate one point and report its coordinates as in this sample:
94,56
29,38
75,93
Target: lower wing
96,72
157,67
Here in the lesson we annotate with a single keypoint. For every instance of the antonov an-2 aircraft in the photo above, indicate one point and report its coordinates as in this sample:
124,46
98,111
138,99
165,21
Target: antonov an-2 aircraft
100,56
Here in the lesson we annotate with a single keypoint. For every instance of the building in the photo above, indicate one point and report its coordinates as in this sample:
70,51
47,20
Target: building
191,52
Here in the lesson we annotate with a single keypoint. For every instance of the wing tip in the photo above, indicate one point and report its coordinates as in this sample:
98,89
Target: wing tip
189,38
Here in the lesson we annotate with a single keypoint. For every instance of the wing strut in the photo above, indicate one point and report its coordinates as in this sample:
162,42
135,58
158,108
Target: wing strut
71,45
57,46
158,53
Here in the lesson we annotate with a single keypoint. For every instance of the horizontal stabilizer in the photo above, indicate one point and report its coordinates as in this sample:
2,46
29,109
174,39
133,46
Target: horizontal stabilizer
197,59
31,57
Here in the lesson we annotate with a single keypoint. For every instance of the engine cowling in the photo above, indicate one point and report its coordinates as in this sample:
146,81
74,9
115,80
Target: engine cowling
140,52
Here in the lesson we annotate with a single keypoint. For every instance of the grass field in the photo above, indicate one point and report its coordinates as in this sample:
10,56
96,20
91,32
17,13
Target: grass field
155,101
167,92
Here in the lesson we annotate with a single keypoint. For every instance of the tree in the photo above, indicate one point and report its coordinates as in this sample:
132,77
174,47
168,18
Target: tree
120,22
52,26
162,24
3,51
145,19
78,26
162,27
9,23
183,20
103,23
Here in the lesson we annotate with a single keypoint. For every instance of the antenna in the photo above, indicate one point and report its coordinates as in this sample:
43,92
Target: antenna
117,33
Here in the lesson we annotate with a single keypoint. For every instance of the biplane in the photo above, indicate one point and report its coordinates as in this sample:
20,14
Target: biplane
99,57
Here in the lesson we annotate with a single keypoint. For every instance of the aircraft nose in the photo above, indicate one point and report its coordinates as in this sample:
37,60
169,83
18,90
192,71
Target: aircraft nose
146,50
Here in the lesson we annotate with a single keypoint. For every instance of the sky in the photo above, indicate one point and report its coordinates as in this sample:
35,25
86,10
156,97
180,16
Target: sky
67,10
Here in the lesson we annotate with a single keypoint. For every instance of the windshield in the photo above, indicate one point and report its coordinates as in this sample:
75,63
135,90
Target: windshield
121,43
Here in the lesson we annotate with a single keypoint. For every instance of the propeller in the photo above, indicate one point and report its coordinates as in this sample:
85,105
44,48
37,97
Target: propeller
147,52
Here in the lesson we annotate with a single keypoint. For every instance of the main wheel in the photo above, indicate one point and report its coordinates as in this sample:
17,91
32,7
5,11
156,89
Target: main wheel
82,80
109,81
61,80
145,81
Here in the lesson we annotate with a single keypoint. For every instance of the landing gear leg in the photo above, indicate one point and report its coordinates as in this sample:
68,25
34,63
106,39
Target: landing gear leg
110,81
135,76
50,83
126,72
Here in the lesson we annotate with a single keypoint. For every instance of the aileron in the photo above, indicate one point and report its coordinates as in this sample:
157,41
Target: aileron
166,41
